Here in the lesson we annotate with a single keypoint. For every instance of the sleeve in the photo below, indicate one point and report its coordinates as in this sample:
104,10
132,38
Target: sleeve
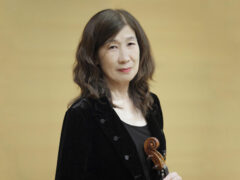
73,147
162,148
159,111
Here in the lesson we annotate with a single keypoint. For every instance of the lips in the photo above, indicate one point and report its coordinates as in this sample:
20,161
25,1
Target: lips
125,70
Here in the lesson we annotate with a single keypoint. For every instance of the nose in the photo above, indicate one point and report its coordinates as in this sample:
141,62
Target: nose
123,56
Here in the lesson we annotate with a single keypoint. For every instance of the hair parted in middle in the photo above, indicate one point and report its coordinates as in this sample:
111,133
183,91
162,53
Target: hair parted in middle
87,72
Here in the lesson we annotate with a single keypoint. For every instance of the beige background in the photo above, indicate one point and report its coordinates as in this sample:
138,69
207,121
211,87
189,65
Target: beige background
196,45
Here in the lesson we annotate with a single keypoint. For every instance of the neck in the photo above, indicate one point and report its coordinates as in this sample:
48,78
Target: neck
119,92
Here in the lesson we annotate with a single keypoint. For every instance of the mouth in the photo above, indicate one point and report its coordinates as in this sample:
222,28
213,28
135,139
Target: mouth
125,70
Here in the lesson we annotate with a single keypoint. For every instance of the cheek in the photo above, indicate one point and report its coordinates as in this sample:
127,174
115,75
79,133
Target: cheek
137,53
137,57
107,63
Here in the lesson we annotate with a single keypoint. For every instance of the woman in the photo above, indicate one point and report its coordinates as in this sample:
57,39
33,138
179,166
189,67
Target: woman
105,127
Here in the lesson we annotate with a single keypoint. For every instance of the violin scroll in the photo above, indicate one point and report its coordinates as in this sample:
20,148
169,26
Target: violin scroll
150,147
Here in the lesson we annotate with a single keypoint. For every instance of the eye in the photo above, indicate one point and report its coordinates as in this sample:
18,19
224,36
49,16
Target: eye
112,47
131,43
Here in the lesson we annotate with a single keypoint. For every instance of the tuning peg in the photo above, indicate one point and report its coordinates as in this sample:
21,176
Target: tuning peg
155,167
149,157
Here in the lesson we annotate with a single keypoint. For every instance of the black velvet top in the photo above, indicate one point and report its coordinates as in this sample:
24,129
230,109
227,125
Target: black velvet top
95,144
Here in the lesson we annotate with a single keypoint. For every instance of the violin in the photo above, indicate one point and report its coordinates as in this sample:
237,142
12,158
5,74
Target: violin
150,147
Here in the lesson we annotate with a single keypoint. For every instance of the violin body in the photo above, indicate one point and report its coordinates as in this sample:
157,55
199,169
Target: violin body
150,147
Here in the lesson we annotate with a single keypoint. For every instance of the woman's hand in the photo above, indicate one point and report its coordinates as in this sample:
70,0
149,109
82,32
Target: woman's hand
173,176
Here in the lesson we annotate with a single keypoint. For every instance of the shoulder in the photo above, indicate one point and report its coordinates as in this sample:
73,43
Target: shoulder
156,111
156,106
80,105
77,115
80,109
154,96
156,101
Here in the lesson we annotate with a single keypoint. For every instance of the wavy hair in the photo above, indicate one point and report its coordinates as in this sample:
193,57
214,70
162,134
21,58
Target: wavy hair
87,73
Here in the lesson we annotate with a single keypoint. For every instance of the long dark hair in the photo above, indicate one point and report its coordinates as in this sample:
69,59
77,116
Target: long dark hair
87,73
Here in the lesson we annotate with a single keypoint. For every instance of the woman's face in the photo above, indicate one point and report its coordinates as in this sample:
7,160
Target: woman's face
119,57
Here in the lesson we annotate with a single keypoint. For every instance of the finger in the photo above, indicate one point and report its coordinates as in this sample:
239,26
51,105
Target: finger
173,176
169,176
177,178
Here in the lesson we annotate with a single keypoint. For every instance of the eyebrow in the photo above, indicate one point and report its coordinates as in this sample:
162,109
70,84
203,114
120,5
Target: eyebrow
127,39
